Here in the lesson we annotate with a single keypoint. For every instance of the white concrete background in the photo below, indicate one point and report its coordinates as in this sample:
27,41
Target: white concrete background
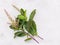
47,20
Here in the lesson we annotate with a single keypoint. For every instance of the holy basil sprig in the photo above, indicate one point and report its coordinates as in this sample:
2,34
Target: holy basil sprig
22,26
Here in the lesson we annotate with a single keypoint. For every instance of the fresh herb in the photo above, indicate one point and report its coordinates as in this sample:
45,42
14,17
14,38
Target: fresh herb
22,26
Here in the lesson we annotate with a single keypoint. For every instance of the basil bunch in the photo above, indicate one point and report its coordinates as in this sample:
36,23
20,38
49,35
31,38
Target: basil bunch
22,26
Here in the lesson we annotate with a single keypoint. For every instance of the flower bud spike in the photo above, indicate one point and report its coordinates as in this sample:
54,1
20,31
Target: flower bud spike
16,8
10,18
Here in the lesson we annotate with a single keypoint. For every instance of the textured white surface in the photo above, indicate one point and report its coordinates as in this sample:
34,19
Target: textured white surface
47,20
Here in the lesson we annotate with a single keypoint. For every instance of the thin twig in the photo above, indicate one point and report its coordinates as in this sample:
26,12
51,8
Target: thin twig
16,8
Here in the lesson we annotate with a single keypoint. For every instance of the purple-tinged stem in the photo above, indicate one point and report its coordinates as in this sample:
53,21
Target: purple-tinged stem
40,37
32,37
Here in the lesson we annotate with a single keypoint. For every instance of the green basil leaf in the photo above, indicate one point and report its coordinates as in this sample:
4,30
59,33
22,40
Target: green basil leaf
31,27
32,31
27,39
19,34
34,27
23,12
21,17
32,14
